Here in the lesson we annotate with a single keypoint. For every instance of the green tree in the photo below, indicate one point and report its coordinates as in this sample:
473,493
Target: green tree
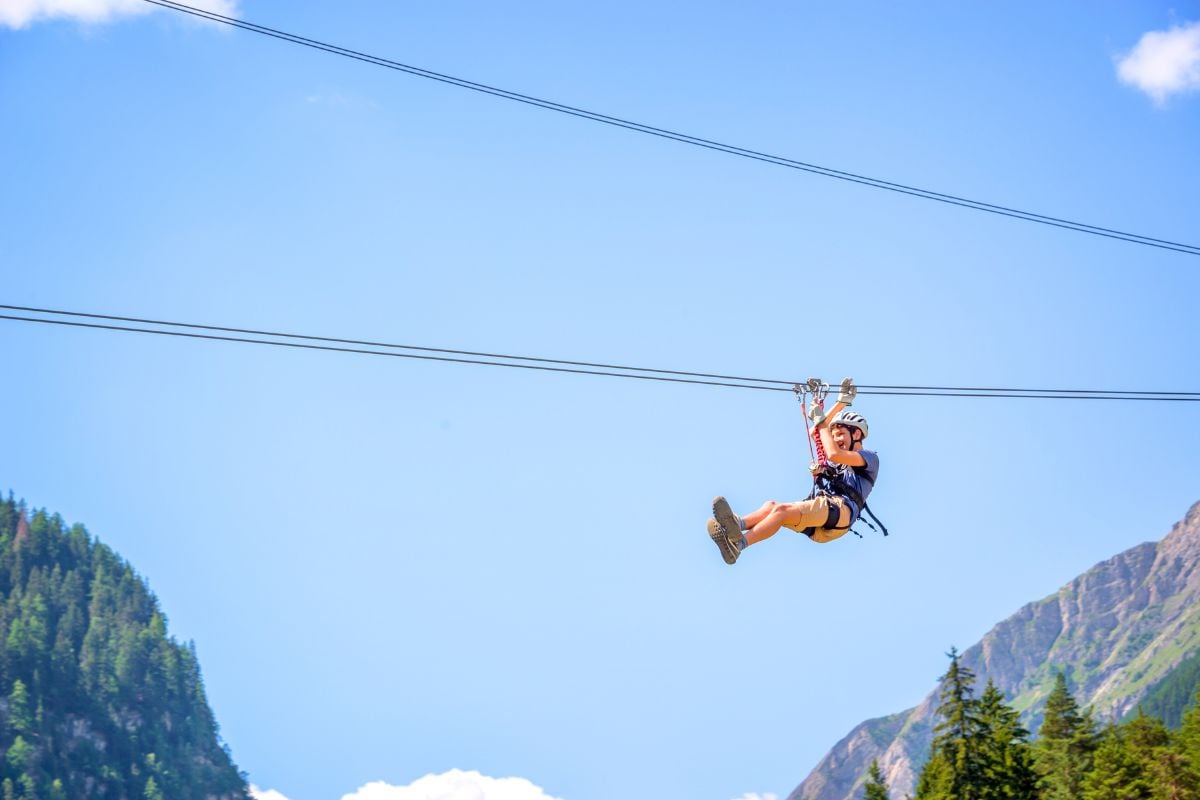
1007,758
1187,740
936,781
20,716
1160,766
1061,717
956,767
20,754
1172,778
876,788
1062,755
1116,774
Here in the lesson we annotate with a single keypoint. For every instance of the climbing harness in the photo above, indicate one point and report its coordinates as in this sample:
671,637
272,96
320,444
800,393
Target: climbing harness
826,480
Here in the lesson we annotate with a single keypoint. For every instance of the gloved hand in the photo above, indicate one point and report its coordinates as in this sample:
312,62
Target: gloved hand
816,413
848,392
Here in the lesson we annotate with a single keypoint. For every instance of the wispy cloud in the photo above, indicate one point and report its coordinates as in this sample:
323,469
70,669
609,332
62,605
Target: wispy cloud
268,794
20,13
757,796
453,785
1164,63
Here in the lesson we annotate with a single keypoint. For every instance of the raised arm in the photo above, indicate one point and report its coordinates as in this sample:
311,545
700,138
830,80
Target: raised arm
836,454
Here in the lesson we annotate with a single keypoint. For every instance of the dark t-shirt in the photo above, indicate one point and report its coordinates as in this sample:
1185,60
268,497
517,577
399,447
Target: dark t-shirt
860,479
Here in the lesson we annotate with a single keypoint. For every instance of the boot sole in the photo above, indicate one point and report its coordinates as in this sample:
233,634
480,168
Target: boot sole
728,552
723,514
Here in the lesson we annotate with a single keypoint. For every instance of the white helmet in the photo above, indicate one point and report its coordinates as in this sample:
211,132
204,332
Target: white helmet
851,419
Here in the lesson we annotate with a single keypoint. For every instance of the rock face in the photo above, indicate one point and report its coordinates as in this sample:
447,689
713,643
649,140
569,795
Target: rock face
1116,631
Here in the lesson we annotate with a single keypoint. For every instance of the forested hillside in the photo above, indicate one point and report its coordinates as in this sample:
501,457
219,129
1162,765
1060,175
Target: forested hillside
96,700
1170,698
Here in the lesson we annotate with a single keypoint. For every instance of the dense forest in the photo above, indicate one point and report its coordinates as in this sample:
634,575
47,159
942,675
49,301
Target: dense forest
981,752
96,700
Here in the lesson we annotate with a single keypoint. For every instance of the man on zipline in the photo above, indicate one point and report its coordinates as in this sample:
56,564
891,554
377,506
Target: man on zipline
839,493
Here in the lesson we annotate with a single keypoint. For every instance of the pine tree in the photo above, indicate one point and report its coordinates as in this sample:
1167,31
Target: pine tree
20,754
936,781
1172,778
875,788
19,714
1116,773
956,768
1187,740
1062,754
1160,766
1062,715
1007,758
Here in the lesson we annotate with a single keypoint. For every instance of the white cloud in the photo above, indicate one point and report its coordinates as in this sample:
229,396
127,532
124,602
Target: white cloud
261,794
1164,62
457,785
453,785
19,13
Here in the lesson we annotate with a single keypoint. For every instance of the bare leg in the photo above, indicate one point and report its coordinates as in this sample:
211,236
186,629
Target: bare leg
755,517
805,514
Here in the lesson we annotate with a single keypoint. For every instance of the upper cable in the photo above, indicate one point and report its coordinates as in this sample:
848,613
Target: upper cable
198,331
697,141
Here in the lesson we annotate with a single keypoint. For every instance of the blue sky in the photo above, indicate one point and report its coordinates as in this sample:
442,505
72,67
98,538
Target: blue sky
395,569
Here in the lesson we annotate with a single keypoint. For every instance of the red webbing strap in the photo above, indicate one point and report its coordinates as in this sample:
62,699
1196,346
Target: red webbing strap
822,459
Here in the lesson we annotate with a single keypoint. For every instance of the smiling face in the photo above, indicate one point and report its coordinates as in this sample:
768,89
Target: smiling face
843,436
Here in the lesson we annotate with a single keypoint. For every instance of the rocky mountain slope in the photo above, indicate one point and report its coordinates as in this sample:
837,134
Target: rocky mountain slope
1117,631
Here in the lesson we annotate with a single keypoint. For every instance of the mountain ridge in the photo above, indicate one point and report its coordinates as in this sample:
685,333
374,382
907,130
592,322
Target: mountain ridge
1116,631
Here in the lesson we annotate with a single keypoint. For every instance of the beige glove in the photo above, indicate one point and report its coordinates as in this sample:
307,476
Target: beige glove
816,413
848,392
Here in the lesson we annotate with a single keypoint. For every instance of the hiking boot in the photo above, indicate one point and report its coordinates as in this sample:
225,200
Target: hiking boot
724,516
729,550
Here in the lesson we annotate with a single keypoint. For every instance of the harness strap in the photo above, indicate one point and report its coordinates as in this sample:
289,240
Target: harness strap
835,485
831,521
832,517
867,510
